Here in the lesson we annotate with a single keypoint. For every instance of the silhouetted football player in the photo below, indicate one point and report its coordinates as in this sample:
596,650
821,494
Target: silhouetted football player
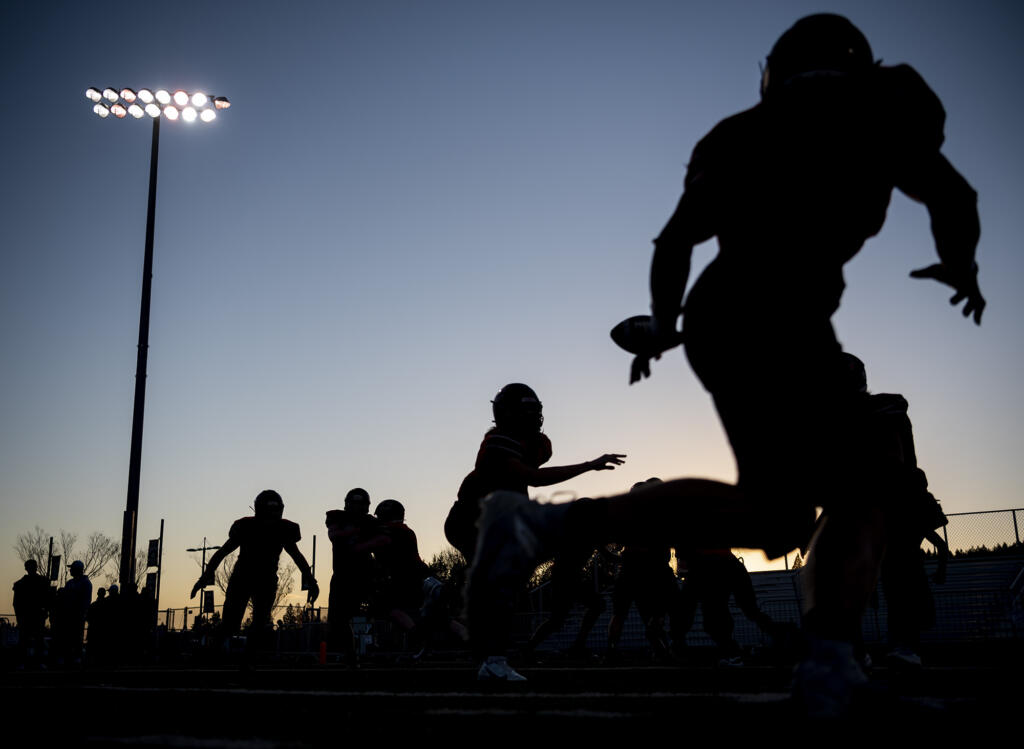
914,516
644,577
509,459
713,576
260,539
353,537
792,188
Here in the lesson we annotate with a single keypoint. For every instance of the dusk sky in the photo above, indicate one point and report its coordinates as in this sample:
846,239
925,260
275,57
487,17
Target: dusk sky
410,204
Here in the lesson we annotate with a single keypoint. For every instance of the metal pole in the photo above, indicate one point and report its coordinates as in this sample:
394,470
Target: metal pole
128,528
1016,532
202,592
159,571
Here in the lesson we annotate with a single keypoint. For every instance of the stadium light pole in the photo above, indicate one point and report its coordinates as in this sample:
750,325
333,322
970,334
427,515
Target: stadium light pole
122,104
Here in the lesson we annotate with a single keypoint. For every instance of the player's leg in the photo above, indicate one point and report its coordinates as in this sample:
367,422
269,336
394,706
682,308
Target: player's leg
236,598
714,604
340,607
746,600
593,607
908,596
842,570
622,599
264,591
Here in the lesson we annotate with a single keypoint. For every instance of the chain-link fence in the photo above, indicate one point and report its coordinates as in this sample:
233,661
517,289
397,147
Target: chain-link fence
281,617
983,532
983,598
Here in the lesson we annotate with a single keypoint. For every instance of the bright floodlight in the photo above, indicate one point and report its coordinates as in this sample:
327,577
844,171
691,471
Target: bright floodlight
155,102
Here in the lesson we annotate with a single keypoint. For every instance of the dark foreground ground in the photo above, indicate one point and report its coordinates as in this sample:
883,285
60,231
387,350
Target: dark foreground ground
572,706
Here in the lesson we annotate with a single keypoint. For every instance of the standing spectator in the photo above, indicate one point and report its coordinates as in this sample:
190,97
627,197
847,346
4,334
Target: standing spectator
73,609
32,596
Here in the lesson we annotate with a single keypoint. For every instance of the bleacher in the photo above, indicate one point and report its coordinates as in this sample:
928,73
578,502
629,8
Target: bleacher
981,600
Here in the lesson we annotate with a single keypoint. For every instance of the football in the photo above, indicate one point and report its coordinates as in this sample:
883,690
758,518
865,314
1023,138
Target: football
634,335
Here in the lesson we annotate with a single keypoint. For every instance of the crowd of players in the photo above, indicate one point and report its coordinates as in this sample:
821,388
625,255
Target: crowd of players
377,568
791,188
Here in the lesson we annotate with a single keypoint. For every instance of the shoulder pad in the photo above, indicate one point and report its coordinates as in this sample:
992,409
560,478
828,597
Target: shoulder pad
914,106
290,531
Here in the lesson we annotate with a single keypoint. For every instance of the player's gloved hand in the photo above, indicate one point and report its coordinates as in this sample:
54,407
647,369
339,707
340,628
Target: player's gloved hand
313,593
201,583
965,283
660,336
640,367
607,462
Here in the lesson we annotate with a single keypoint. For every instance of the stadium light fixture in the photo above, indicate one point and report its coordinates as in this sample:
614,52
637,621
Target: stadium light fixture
121,103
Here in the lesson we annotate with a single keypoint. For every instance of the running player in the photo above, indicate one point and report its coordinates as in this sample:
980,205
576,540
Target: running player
792,188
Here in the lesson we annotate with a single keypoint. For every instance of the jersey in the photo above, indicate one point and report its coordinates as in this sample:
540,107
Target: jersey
915,511
792,188
492,472
260,544
346,531
401,568
399,558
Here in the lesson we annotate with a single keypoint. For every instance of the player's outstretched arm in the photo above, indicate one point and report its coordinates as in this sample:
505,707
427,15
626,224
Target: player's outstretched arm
207,578
557,474
953,206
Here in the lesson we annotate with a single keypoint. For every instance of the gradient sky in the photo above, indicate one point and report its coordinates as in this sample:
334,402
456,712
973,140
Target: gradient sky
408,205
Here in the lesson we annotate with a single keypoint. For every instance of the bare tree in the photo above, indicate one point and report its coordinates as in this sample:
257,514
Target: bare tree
66,541
100,556
222,575
33,545
285,578
100,551
141,557
285,582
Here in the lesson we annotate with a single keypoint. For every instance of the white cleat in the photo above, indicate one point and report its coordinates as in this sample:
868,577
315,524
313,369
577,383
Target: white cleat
496,668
